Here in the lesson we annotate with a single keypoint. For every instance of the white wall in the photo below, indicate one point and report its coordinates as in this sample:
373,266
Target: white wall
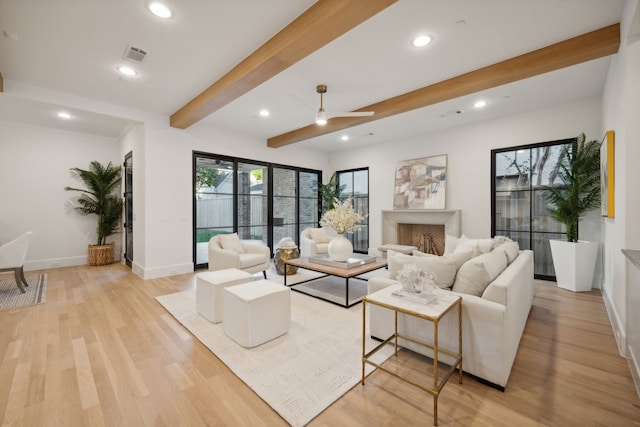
621,109
34,169
468,151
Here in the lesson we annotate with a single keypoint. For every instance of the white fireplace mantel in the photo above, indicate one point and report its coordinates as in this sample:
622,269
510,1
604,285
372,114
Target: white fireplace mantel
450,218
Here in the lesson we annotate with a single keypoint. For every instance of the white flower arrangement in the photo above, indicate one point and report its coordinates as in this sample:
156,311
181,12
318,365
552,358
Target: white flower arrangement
415,279
343,218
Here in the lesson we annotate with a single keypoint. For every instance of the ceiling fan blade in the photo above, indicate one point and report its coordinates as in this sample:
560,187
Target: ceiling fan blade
350,114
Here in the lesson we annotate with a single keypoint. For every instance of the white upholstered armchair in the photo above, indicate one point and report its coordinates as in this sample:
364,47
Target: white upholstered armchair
12,256
228,251
314,241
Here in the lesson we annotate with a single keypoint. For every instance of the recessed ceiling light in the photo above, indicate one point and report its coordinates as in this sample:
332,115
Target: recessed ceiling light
421,41
344,138
64,115
127,71
480,104
264,113
160,10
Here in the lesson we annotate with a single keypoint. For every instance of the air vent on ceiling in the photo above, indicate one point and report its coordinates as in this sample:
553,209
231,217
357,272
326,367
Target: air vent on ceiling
134,53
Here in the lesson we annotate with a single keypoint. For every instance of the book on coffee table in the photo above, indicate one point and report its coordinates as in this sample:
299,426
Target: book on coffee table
355,260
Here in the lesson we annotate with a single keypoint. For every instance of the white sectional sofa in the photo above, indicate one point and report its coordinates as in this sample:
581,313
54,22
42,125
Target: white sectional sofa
492,323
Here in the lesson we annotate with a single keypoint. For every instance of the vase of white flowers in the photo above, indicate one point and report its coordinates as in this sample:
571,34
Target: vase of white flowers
343,219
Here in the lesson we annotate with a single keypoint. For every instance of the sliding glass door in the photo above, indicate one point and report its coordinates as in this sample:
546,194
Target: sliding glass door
261,202
356,186
214,207
253,202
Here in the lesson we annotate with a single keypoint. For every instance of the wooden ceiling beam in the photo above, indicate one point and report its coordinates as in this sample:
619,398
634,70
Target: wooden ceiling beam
586,47
322,23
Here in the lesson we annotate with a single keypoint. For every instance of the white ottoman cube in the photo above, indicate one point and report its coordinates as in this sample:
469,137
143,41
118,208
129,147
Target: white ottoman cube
209,290
256,312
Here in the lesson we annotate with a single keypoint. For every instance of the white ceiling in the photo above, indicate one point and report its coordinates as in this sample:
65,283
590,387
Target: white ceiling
74,46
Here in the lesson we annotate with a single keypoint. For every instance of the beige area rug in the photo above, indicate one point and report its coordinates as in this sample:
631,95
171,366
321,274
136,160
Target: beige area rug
300,373
11,297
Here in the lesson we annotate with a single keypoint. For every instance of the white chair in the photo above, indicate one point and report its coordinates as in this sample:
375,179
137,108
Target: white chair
12,256
314,241
230,252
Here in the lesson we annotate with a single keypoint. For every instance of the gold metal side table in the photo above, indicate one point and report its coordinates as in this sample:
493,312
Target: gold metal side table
282,256
432,311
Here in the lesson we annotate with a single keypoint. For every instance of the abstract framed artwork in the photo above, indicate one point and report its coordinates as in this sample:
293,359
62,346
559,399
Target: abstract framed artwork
607,175
420,183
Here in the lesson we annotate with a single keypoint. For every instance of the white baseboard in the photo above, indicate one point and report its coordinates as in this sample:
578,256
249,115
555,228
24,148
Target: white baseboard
619,331
43,264
156,272
634,366
145,273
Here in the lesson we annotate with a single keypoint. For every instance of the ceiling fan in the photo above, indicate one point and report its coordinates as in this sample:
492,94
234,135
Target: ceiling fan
322,116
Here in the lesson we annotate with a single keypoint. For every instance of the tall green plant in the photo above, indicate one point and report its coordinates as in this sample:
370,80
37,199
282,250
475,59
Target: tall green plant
99,198
579,187
330,192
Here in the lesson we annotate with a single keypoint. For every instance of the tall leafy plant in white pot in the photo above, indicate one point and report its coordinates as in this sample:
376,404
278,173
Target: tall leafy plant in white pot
577,192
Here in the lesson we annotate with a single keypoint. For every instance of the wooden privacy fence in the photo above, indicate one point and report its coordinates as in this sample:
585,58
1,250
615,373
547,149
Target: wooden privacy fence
215,213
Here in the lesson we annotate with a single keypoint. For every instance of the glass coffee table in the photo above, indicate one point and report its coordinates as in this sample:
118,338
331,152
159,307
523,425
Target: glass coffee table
328,270
431,310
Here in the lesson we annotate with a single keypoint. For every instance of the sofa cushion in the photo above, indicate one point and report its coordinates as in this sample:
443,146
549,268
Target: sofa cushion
510,249
477,246
459,257
318,235
248,260
475,275
231,242
444,268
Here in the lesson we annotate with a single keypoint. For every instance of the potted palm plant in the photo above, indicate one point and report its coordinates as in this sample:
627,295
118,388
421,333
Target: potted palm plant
100,198
329,193
577,191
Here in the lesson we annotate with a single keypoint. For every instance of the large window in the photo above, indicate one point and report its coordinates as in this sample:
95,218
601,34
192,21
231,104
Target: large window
262,202
518,209
356,186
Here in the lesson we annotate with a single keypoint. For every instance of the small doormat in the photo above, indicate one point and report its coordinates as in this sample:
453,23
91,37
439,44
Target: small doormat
11,297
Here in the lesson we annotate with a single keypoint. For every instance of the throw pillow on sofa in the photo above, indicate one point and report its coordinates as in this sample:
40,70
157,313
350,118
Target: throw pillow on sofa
477,246
511,250
444,268
450,244
459,257
475,275
232,242
318,235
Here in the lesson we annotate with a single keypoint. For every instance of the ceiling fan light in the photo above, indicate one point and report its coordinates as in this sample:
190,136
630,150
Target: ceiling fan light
321,118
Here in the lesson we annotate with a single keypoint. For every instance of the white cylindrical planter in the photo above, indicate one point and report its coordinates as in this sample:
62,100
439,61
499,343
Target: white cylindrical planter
574,263
340,248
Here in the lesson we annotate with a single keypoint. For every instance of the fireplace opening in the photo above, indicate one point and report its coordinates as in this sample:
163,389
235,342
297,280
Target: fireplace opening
428,238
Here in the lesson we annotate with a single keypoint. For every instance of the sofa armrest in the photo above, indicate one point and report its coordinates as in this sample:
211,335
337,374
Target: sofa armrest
257,249
219,259
515,283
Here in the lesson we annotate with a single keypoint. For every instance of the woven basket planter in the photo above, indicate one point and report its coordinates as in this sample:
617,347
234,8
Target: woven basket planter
102,254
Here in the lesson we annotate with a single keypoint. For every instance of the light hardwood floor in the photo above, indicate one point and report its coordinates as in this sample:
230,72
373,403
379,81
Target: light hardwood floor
102,351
